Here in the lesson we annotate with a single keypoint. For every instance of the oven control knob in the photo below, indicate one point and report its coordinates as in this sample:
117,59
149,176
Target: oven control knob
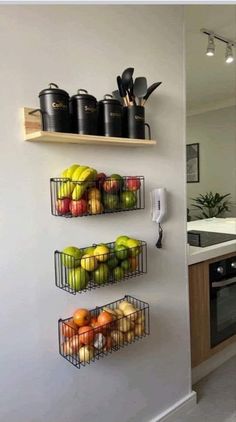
233,264
220,270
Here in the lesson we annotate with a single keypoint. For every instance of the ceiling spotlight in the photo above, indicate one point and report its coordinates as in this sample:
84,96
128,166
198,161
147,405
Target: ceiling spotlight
229,57
211,46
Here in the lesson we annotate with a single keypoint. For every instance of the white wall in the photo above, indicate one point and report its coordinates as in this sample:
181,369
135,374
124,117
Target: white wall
216,132
86,46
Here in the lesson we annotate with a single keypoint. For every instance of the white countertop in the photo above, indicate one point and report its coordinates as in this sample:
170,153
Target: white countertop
218,225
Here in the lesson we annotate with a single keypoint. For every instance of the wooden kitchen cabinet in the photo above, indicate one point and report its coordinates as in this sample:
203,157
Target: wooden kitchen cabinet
199,301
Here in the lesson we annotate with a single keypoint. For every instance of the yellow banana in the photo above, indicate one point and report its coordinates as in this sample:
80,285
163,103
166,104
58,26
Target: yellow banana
71,170
65,190
88,174
78,172
79,190
64,173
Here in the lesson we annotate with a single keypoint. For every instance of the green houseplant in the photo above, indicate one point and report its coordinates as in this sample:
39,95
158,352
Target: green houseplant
211,204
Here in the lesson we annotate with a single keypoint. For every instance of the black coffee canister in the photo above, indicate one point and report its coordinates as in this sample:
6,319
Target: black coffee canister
54,106
110,117
134,122
83,109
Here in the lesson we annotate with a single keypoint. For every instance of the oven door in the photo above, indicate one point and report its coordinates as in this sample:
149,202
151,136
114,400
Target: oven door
222,310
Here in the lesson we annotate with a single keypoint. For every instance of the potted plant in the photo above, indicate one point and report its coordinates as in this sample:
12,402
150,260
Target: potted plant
211,204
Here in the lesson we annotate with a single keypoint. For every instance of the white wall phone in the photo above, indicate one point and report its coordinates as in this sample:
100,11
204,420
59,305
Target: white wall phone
158,201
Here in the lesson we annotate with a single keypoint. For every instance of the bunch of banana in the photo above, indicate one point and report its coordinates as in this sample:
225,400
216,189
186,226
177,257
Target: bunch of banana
75,173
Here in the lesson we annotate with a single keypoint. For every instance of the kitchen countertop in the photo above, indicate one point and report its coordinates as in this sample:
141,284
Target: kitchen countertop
219,225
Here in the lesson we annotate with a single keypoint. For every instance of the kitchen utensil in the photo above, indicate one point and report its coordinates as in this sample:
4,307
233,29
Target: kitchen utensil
54,108
121,90
110,116
140,88
134,122
83,108
126,77
150,90
117,96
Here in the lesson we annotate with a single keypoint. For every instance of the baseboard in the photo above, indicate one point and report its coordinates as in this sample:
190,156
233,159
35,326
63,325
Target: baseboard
212,363
178,410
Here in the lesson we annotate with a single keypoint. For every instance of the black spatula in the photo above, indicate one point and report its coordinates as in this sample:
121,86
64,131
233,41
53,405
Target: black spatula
150,90
140,88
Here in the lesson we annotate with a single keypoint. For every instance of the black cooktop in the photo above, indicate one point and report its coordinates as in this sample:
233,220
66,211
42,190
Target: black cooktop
203,239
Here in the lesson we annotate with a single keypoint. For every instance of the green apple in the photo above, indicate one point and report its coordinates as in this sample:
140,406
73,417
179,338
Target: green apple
128,199
110,201
121,252
125,265
101,274
71,256
134,247
121,240
78,279
112,262
118,273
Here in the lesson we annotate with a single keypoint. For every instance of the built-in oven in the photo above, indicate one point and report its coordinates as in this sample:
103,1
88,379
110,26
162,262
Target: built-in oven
222,275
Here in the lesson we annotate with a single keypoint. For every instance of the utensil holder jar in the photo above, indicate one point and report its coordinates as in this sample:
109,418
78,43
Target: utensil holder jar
134,122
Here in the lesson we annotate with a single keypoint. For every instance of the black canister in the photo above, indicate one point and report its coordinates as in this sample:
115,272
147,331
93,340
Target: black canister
54,106
83,109
110,116
134,122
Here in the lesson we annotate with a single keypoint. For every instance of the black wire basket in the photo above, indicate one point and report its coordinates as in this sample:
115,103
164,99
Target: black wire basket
99,270
84,345
94,197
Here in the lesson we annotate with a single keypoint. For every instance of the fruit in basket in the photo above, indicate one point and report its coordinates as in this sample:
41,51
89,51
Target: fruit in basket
123,304
90,250
78,208
100,179
128,199
69,328
112,262
66,348
111,201
105,318
123,325
131,312
89,262
111,311
63,206
130,336
101,274
65,189
118,273
125,265
102,253
119,313
69,171
113,184
86,353
86,334
78,279
95,206
81,317
108,345
134,247
94,193
87,175
139,329
132,183
141,318
75,344
121,252
78,172
117,337
71,256
121,240
99,341
134,261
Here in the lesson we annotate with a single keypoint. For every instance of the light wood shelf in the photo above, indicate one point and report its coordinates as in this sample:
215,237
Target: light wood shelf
33,133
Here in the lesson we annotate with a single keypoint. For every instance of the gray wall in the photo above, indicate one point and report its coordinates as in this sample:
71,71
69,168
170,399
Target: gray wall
216,132
86,46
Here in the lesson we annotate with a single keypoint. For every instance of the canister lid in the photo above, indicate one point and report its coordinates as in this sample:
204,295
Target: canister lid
83,94
109,99
53,89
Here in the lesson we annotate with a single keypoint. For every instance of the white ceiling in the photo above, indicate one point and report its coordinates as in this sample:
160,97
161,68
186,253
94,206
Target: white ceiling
211,83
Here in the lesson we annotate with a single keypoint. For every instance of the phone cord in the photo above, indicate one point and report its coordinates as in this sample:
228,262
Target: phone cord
160,235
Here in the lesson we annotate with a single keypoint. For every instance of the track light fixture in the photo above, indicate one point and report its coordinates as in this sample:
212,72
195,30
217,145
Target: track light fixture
212,36
211,46
229,57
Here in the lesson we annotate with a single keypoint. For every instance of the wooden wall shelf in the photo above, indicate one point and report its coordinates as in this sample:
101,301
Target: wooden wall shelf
33,133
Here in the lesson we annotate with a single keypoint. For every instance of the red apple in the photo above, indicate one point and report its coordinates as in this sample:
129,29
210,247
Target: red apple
78,208
132,183
63,206
100,179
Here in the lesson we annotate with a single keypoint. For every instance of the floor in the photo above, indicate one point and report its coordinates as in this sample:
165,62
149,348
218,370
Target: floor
216,396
